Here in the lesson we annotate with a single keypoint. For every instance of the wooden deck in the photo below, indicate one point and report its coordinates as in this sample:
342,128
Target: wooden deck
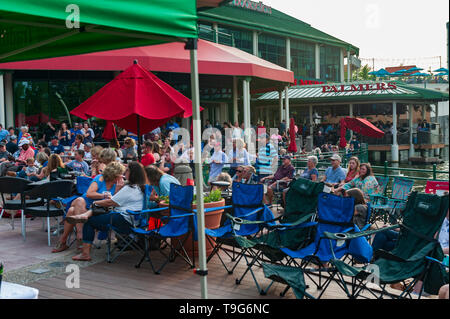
121,280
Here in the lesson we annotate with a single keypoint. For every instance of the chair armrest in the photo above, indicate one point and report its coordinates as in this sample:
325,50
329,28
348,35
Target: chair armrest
213,209
148,211
350,236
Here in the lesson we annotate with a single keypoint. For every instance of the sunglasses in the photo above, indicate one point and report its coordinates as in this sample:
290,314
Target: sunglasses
239,171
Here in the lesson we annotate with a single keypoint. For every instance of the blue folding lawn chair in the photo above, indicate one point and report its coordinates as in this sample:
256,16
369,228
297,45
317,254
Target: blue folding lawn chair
247,203
334,215
176,224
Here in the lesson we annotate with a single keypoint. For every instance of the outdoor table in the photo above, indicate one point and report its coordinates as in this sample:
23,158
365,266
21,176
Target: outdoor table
10,290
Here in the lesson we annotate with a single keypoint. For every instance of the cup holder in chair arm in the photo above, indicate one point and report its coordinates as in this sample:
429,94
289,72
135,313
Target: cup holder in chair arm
340,236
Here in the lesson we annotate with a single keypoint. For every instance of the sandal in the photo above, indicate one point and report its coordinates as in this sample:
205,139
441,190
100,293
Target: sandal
60,247
76,220
81,257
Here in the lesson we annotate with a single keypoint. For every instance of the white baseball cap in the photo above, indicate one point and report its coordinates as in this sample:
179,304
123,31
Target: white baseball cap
24,141
336,157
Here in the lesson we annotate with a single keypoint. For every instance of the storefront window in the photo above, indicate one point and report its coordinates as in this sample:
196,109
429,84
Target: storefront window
42,96
330,63
303,59
272,48
242,39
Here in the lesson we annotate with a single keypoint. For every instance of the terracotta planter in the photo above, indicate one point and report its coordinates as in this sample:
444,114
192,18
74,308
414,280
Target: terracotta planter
212,221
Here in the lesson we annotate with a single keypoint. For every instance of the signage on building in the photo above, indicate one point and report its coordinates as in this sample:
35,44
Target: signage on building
306,82
252,5
381,86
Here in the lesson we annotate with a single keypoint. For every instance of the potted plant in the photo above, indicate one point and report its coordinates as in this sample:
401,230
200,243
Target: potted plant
212,219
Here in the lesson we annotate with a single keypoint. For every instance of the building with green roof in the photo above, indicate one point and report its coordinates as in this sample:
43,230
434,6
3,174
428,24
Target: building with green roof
314,56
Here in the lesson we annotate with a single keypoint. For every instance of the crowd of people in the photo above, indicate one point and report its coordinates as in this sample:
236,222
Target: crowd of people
119,177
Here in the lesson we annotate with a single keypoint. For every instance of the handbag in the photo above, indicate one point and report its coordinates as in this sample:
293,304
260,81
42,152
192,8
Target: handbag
99,210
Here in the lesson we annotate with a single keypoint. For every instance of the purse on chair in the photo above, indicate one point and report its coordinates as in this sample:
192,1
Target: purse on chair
100,210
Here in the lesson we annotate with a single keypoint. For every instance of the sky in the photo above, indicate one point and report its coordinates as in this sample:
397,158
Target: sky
394,32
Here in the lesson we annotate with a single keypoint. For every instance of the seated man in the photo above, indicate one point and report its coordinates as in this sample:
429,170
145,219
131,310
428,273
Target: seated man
280,180
334,174
78,164
55,147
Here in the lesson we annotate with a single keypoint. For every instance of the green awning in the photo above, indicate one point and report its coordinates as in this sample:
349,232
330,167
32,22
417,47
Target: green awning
357,92
31,29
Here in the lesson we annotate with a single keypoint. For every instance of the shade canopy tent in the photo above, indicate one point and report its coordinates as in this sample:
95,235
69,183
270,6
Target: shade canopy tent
55,28
34,119
213,59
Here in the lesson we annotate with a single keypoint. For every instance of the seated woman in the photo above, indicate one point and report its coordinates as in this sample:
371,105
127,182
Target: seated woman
160,182
365,181
129,152
352,169
360,214
130,197
311,171
102,187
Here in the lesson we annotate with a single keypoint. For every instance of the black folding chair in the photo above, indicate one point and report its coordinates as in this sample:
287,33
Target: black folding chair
11,186
52,194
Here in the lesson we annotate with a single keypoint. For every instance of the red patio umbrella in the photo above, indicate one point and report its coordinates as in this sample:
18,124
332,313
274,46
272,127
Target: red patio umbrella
109,133
292,145
342,140
137,101
363,127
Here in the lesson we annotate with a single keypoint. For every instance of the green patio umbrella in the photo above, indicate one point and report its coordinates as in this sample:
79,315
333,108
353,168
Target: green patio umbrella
31,29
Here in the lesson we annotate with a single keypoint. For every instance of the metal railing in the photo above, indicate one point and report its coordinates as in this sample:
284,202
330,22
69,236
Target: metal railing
386,169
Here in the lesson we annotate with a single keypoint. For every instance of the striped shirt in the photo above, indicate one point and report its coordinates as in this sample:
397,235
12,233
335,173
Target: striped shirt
266,156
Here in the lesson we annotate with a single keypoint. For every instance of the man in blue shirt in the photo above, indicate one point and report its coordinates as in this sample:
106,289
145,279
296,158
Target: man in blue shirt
74,132
267,156
334,174
55,147
3,133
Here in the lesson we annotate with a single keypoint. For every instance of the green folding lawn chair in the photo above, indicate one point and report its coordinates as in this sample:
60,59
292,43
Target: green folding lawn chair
387,209
410,259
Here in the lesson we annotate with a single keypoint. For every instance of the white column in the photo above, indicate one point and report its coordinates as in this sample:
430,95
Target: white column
436,120
349,67
288,53
9,103
255,43
394,147
2,102
216,32
235,100
410,118
280,100
286,107
317,61
246,99
341,59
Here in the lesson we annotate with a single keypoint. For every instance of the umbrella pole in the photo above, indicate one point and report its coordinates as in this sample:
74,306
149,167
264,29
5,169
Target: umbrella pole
139,138
202,271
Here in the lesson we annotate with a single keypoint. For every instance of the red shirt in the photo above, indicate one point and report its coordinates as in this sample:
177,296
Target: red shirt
147,159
